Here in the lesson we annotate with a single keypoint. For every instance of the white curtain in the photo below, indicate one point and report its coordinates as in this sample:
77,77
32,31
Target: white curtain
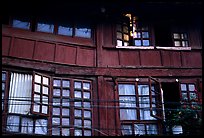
20,93
126,89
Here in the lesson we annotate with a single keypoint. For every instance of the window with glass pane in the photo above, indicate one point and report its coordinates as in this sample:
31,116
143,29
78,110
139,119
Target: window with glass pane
61,107
44,26
41,94
22,23
131,33
83,31
82,108
180,39
65,30
189,94
3,82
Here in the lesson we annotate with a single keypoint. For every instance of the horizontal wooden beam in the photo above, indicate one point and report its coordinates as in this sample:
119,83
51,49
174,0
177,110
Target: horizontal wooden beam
100,71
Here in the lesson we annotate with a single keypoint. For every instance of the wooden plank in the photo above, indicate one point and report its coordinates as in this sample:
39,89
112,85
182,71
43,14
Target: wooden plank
6,43
87,71
22,48
150,58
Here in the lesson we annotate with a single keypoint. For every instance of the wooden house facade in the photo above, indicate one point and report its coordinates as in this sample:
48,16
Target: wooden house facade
105,68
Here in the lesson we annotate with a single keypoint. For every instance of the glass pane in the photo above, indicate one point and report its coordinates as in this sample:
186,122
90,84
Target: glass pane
145,115
145,34
65,121
87,114
45,90
119,43
126,37
152,129
3,86
57,83
77,132
185,43
126,44
36,108
127,101
45,81
77,113
144,102
119,35
36,98
183,87
13,123
42,27
55,121
176,36
55,131
21,24
3,76
77,85
191,87
45,109
136,35
87,123
193,96
87,95
87,132
56,101
184,36
65,112
41,126
65,102
65,132
126,89
86,86
143,89
138,43
127,114
65,93
177,43
77,104
139,129
83,32
56,111
65,30
27,125
184,96
45,100
87,104
37,78
78,122
145,42
65,83
37,88
126,129
77,94
56,92
125,29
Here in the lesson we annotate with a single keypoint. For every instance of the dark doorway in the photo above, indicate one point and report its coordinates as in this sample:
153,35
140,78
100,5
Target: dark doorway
171,95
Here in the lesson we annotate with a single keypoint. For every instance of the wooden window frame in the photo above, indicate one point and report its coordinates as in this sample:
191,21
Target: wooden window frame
180,39
138,119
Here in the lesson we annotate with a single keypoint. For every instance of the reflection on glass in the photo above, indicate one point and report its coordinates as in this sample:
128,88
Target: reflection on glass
65,92
77,132
77,113
45,100
42,27
77,85
65,132
119,35
87,114
145,42
65,83
45,81
77,122
152,129
119,43
41,126
65,30
36,108
37,88
56,131
176,36
45,90
27,125
21,24
126,89
86,86
65,121
138,43
83,32
145,34
57,83
128,114
3,76
191,87
65,112
56,111
44,109
56,101
36,98
56,92
139,129
87,132
177,43
37,78
183,87
126,129
87,123
65,102
86,95
55,121
77,94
